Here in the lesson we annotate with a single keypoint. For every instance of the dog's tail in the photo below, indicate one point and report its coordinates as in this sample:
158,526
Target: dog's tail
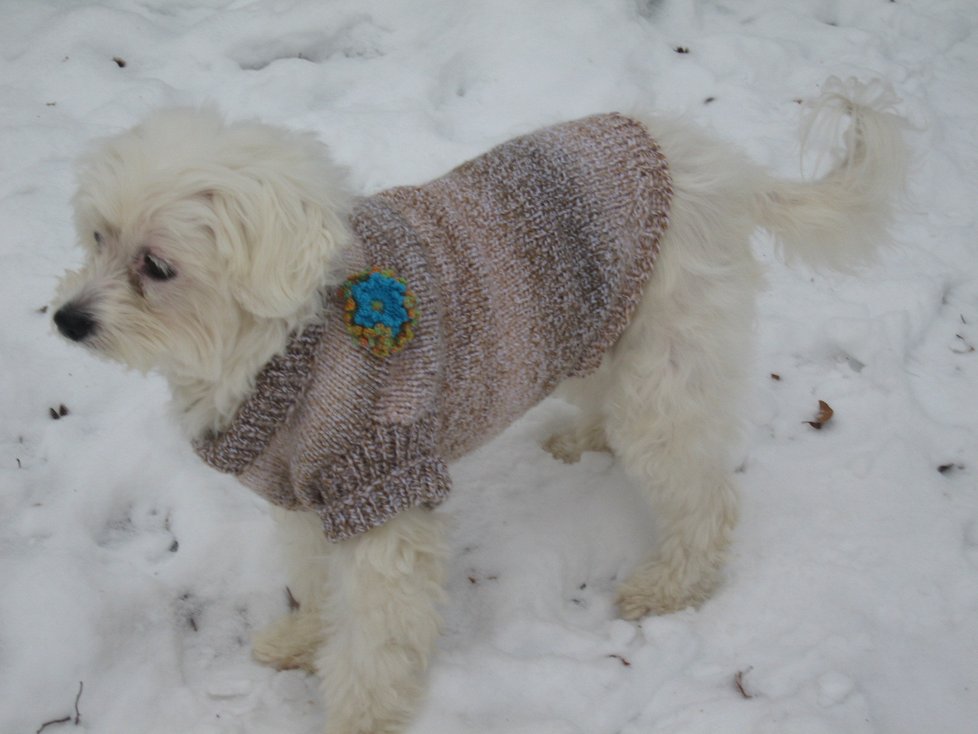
837,220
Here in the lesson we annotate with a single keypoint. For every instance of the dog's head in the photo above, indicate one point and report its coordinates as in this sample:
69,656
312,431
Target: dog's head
195,232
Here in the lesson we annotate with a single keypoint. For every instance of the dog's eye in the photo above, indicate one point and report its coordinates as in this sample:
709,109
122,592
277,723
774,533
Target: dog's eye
97,236
156,269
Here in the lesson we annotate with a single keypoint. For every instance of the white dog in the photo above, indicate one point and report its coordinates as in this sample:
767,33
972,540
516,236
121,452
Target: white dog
213,249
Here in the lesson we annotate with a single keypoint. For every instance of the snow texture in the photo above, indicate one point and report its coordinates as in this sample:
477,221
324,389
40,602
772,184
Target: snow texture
850,602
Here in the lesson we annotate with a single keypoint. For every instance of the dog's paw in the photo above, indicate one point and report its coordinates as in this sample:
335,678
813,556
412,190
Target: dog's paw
290,642
654,590
563,446
567,446
636,604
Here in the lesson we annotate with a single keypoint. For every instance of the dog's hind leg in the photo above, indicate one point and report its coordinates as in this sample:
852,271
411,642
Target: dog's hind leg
381,623
672,406
672,411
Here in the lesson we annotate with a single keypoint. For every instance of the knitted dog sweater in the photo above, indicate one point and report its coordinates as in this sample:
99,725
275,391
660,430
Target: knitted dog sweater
526,264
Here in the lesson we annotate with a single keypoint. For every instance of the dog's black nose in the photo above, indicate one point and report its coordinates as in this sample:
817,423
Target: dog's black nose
74,322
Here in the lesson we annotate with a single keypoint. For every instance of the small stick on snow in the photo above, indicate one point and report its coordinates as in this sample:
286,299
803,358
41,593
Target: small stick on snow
81,687
968,348
293,602
739,682
46,724
66,719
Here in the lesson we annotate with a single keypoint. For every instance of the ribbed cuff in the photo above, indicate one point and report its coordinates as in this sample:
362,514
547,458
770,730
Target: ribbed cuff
424,483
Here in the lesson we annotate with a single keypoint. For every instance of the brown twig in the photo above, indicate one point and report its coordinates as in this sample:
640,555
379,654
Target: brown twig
81,687
968,348
739,682
293,602
66,719
46,724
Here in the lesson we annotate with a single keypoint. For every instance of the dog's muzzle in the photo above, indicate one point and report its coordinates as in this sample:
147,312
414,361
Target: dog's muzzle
74,322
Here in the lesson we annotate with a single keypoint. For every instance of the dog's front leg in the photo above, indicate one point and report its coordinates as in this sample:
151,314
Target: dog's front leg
381,621
294,640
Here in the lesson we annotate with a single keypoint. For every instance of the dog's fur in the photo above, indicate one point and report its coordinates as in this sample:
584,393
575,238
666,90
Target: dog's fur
215,241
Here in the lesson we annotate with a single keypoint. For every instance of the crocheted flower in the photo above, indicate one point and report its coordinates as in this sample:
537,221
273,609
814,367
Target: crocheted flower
379,310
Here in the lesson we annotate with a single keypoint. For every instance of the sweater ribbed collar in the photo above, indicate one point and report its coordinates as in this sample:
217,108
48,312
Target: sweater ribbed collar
277,388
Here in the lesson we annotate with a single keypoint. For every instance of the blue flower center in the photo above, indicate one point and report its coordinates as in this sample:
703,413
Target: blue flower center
379,300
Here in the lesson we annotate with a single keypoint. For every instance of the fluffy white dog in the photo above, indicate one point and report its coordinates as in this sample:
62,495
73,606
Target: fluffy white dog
212,248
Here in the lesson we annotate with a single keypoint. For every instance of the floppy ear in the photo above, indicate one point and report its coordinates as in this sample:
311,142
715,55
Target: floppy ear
281,219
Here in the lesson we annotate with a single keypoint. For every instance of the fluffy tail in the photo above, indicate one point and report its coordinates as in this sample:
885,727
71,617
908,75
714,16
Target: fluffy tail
838,220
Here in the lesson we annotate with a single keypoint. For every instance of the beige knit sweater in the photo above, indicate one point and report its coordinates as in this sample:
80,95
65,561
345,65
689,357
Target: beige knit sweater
526,262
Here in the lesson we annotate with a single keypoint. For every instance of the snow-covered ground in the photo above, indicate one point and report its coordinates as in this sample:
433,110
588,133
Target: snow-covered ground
851,598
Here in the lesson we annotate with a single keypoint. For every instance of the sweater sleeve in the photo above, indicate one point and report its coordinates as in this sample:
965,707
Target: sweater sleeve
393,468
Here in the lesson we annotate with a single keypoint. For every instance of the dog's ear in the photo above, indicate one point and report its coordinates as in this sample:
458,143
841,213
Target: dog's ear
280,221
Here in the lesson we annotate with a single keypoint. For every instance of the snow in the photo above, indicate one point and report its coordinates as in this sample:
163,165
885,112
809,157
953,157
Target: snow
851,596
